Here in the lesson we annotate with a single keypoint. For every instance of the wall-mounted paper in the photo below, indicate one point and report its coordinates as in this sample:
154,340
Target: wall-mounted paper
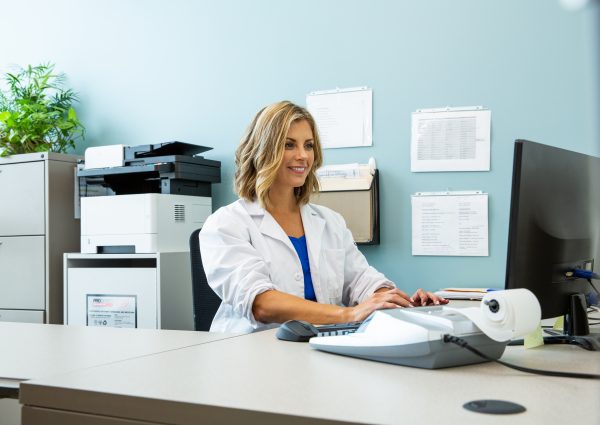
450,223
451,139
344,116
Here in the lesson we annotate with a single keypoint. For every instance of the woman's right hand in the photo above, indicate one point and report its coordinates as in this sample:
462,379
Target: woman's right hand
382,298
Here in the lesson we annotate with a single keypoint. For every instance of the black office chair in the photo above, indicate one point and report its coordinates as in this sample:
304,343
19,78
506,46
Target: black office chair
206,302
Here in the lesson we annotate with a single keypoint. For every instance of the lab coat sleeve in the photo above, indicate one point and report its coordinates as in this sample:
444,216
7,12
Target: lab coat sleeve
234,268
360,279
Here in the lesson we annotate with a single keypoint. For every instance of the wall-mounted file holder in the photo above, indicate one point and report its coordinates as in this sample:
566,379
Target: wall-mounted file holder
357,200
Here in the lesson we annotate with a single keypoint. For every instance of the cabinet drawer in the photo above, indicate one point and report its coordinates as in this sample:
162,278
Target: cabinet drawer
22,272
25,316
22,197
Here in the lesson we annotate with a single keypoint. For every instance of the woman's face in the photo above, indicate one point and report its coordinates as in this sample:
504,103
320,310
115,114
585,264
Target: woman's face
298,156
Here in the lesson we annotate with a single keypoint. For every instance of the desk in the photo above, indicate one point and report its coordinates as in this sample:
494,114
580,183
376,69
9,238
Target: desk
31,351
258,379
36,350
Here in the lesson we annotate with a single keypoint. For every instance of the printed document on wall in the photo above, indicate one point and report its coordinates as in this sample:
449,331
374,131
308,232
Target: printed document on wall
344,116
450,223
450,139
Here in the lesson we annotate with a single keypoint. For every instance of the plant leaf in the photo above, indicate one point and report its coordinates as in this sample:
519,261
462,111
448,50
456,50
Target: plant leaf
37,113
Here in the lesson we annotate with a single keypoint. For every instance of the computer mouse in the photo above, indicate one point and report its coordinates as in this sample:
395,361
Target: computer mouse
296,330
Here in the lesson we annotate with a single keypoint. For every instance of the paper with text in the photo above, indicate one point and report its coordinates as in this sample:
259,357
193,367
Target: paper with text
452,223
451,139
344,117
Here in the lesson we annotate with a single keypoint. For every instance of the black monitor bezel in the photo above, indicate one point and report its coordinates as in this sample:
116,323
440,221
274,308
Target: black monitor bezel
553,295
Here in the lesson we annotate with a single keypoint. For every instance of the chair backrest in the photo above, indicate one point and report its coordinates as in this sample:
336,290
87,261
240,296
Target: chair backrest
206,302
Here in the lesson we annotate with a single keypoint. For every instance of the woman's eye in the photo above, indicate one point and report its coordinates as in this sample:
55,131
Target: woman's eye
309,146
289,145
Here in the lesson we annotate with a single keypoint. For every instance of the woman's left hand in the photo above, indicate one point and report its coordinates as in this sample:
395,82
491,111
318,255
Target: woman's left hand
421,298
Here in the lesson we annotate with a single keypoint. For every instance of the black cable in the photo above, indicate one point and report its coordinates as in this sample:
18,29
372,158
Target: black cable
464,344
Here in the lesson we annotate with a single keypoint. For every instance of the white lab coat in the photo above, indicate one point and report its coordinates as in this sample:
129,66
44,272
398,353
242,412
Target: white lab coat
246,252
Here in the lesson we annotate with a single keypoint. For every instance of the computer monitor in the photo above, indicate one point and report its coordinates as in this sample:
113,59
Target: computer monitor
554,228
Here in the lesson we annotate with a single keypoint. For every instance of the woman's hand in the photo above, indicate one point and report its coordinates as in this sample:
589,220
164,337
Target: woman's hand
421,298
391,298
274,306
382,298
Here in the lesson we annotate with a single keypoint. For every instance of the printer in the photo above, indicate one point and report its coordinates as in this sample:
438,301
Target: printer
153,197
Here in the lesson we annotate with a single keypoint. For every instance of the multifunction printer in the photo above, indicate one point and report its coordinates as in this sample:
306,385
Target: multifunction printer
152,197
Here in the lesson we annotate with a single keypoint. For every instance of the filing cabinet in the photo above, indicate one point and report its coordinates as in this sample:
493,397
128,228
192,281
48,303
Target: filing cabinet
37,225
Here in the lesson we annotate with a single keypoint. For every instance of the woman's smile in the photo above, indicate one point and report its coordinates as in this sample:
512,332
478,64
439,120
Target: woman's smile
298,170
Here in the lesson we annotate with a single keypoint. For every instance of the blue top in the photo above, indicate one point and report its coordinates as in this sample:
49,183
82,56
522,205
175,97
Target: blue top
302,250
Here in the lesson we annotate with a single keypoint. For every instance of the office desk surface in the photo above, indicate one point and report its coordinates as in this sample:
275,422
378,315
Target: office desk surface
35,350
258,379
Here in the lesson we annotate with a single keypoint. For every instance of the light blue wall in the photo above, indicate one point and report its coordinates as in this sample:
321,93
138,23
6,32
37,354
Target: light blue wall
197,71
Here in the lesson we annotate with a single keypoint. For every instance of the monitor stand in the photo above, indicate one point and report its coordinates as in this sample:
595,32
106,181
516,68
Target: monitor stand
576,320
588,342
576,326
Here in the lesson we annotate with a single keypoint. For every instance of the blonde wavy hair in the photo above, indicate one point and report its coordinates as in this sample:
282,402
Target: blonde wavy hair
260,153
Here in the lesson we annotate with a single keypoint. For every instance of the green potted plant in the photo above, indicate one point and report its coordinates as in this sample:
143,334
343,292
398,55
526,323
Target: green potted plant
36,112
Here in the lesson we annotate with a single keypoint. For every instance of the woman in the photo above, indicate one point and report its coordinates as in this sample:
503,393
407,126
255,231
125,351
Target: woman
271,255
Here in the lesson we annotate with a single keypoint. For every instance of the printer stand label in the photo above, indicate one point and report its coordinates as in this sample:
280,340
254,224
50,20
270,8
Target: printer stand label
115,311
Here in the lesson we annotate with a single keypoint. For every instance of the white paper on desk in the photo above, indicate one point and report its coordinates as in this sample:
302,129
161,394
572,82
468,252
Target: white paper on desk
450,223
451,139
344,116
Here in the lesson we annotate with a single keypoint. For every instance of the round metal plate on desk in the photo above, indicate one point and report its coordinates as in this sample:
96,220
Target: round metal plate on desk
496,407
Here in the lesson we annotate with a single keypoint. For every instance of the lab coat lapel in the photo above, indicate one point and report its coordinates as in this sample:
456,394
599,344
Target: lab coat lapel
313,229
268,225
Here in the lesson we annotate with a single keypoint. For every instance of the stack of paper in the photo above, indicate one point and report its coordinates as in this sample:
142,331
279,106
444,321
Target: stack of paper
464,293
345,177
104,156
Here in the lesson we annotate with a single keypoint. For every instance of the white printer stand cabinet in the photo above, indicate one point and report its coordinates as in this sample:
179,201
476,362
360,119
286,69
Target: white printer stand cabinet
37,226
148,291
